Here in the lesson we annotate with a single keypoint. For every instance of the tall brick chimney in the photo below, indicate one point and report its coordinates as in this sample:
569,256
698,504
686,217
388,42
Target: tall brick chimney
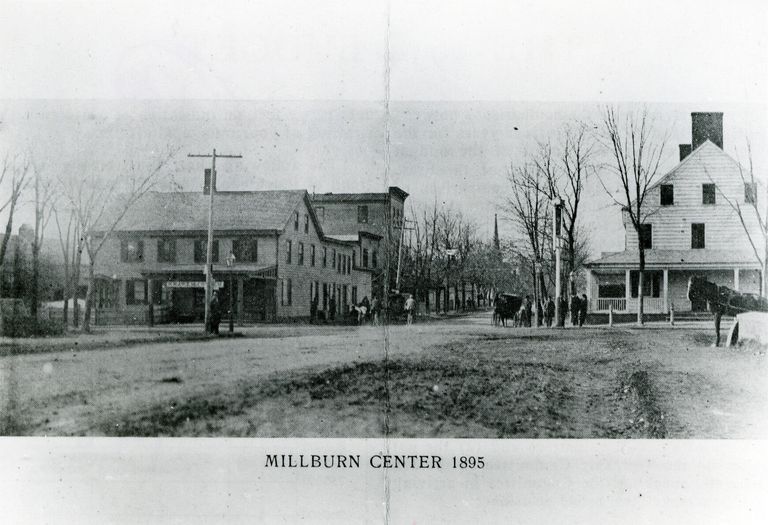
207,182
706,126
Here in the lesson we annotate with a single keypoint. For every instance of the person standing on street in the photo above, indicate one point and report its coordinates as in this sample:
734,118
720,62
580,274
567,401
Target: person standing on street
215,313
332,308
575,309
549,312
528,307
375,308
313,310
563,312
583,310
410,306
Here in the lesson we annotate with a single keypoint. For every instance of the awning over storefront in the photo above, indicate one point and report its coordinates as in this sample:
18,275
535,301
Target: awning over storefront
193,274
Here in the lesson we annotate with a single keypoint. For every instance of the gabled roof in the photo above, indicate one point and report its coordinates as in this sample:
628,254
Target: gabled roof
706,145
695,154
188,211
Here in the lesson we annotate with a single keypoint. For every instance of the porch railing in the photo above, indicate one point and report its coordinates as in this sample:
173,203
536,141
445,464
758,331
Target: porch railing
604,303
651,305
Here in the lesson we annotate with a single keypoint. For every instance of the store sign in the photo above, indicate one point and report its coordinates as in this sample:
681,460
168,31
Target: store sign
191,284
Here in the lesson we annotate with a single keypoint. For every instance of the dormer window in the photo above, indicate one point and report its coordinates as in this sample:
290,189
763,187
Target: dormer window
667,194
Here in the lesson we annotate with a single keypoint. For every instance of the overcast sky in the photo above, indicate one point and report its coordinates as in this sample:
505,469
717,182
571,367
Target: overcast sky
313,78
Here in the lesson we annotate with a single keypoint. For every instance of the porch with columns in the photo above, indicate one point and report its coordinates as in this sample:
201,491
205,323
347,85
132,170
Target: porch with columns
667,287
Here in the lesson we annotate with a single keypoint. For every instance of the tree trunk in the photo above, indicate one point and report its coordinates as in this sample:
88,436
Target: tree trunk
89,297
75,286
35,292
764,284
640,276
4,245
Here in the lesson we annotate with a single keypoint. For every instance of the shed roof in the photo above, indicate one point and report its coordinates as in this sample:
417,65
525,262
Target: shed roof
677,259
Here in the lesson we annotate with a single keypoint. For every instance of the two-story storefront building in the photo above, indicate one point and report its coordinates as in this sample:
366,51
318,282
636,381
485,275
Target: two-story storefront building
283,258
691,229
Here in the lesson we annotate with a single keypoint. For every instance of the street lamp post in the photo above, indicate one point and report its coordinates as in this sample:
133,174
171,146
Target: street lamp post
230,265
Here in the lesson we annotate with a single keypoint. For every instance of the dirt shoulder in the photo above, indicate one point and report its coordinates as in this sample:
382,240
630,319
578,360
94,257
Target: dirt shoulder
461,378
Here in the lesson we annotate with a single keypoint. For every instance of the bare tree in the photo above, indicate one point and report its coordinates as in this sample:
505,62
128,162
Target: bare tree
18,179
526,207
422,251
69,241
635,160
44,203
566,171
750,213
101,203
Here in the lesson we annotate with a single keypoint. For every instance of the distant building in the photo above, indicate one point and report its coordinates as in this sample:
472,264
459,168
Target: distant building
363,218
284,257
691,229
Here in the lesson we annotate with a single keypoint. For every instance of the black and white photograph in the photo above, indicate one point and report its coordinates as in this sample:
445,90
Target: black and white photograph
507,258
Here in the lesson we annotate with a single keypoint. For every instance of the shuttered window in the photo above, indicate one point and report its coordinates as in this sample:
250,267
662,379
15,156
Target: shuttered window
131,250
245,250
201,247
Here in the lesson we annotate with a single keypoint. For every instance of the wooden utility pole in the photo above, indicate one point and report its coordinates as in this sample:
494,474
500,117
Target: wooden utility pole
209,248
403,228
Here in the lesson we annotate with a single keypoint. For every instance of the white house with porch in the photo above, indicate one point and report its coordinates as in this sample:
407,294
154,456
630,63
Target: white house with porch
691,229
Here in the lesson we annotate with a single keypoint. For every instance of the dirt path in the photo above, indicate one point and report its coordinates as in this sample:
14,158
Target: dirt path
595,382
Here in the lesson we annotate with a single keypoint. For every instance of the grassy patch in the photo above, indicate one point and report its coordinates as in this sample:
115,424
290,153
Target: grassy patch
439,395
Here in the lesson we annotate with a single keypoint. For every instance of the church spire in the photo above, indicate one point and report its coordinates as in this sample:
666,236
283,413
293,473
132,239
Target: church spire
496,243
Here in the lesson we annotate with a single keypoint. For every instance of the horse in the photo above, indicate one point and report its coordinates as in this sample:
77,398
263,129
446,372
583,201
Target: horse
506,307
721,300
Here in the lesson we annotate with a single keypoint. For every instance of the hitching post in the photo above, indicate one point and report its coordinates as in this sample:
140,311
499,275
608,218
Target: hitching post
230,265
610,314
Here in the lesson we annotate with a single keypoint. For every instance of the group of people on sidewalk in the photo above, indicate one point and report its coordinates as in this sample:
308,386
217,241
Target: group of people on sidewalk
366,311
546,312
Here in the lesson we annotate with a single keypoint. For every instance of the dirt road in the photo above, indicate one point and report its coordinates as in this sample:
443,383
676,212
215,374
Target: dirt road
458,377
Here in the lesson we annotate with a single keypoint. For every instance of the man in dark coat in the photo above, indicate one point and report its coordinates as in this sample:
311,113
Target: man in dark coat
215,313
332,308
575,309
313,310
528,310
583,309
365,303
563,311
549,312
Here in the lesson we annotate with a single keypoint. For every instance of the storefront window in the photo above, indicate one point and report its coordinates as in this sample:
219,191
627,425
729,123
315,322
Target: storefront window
136,291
